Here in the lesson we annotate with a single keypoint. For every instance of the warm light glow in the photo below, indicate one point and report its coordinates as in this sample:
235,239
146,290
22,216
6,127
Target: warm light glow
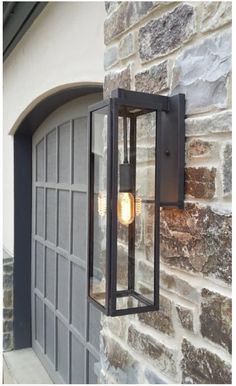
102,204
138,203
126,208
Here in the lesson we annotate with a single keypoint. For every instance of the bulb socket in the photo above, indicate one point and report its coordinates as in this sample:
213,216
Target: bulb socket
126,177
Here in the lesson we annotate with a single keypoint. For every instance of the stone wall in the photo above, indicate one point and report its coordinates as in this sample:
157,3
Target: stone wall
167,48
7,302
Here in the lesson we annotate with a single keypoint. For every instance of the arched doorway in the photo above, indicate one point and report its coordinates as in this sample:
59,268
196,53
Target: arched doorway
50,171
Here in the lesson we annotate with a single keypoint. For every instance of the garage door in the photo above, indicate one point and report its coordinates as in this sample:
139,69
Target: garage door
65,328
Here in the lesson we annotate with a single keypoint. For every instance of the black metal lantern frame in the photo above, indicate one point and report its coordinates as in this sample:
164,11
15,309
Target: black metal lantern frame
169,191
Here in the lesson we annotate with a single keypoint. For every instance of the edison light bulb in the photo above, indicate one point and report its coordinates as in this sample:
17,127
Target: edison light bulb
126,208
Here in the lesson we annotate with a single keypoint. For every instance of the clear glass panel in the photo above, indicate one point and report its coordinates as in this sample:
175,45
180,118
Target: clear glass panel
145,192
99,173
135,208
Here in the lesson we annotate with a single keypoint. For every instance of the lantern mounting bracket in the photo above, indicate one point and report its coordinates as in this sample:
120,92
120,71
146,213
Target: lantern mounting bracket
171,135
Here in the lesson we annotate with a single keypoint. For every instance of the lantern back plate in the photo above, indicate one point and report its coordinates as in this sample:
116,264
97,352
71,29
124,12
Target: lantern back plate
172,153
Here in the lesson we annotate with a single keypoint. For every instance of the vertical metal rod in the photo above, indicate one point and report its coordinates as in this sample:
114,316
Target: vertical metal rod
131,229
157,210
112,225
125,140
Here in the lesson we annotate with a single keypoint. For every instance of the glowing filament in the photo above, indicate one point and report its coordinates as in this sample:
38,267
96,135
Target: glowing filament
126,208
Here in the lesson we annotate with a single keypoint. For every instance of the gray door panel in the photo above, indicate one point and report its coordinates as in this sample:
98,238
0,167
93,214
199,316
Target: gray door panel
65,328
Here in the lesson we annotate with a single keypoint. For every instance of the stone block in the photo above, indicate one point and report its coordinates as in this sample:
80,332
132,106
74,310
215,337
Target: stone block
197,149
215,14
7,313
116,355
8,269
126,15
146,127
200,182
227,168
7,298
215,123
122,266
181,287
216,318
201,73
7,326
154,79
201,366
117,325
110,57
167,33
159,354
197,239
116,79
127,46
160,320
147,174
185,317
7,281
110,6
145,273
7,342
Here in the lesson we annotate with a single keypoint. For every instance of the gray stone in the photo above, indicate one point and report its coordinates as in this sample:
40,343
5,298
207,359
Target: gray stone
197,149
159,354
146,127
167,33
216,318
147,174
201,73
7,281
215,14
122,265
7,326
186,317
145,153
7,342
117,326
227,169
197,239
117,79
201,366
127,46
110,57
145,273
7,313
200,182
110,6
153,80
116,355
181,287
7,298
215,123
126,15
160,320
8,268
153,378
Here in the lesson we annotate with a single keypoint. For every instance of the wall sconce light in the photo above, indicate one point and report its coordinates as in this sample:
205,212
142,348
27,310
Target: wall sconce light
136,166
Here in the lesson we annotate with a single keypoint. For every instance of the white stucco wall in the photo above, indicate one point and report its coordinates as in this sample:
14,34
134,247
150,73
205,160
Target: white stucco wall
63,46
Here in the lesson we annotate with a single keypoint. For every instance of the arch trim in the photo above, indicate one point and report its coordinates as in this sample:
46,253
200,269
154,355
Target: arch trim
23,204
